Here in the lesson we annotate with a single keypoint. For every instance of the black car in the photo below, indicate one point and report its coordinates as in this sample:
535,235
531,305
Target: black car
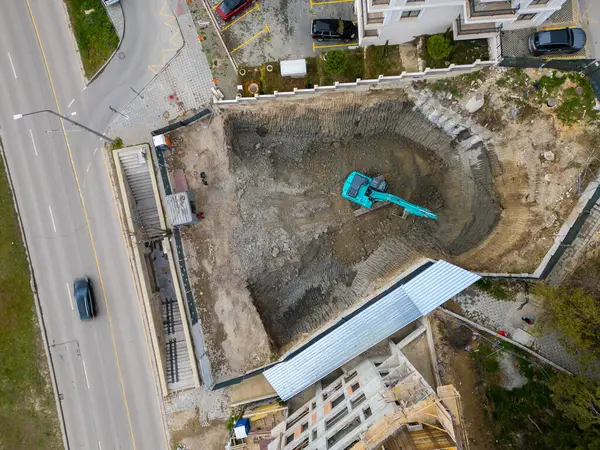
564,40
82,289
333,29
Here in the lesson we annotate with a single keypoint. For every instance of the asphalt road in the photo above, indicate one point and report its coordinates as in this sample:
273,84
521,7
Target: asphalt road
109,393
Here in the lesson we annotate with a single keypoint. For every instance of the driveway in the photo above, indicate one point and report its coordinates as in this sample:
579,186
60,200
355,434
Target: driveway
274,31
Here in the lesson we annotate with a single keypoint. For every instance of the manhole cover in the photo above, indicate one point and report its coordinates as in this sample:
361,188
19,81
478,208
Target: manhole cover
166,114
121,55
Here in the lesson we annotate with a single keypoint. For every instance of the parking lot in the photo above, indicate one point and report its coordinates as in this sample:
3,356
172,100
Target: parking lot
279,30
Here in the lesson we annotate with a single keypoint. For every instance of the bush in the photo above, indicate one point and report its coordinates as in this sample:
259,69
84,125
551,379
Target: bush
117,144
439,46
335,62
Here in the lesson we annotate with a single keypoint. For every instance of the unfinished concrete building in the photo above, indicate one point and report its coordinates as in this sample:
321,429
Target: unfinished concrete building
378,399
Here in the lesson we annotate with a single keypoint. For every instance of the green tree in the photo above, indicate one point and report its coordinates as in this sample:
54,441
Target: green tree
335,62
576,315
578,398
439,46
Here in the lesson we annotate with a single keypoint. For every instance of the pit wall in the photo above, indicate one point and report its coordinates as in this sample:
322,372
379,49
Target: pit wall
359,84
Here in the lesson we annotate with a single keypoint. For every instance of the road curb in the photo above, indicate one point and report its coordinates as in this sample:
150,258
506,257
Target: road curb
74,43
38,306
116,49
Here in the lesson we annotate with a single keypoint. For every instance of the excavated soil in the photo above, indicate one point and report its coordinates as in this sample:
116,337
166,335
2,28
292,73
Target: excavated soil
279,237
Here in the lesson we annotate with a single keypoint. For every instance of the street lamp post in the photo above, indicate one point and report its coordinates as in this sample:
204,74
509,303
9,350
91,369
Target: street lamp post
106,138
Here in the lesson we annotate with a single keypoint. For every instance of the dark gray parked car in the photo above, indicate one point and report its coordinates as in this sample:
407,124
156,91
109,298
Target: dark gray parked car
561,41
333,29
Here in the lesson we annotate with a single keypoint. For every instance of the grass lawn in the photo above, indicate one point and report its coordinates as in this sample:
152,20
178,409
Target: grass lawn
94,32
379,60
268,82
463,52
355,68
28,417
383,60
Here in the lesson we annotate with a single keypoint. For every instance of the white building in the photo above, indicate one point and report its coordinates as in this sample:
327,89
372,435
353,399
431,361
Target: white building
399,21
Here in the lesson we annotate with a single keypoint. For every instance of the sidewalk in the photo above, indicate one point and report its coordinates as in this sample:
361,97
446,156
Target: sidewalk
589,16
183,85
507,315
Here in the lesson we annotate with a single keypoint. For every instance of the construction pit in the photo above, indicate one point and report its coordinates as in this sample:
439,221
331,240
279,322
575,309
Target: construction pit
280,252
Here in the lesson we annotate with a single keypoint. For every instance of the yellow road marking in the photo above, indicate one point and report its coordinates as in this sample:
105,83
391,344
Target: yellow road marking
556,28
264,30
129,256
87,222
549,58
241,17
349,44
330,2
216,6
155,68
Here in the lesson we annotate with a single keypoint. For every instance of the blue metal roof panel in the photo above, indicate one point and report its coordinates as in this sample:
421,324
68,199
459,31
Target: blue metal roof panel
391,313
437,284
349,340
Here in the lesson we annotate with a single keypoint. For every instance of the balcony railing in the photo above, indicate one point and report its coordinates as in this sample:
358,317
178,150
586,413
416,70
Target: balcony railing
375,18
480,28
487,9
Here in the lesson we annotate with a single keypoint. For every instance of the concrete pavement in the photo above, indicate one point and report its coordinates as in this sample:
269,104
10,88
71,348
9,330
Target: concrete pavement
104,370
589,16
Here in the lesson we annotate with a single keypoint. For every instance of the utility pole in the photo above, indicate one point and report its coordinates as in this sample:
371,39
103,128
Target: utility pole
106,138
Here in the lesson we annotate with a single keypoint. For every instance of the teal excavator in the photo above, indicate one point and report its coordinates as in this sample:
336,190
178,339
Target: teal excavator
370,193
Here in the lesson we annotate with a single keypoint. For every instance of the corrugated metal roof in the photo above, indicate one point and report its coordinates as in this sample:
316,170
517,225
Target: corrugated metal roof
398,308
437,284
178,208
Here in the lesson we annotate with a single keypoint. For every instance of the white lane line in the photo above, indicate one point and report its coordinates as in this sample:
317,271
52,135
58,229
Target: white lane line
52,217
71,103
99,446
95,150
84,183
88,167
12,65
85,373
73,113
33,141
70,297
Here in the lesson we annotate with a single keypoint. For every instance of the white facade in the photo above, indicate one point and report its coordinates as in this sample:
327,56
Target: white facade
399,21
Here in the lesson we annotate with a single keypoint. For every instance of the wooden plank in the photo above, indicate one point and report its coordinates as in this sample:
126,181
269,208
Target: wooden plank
361,211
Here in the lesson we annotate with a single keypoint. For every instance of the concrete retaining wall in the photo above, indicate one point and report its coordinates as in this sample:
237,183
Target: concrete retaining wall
360,84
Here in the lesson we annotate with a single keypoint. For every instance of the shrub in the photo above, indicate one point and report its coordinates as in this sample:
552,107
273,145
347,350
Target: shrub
335,62
439,46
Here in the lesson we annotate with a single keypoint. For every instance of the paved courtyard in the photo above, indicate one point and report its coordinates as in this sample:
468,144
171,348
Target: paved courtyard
514,42
183,84
507,315
274,31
